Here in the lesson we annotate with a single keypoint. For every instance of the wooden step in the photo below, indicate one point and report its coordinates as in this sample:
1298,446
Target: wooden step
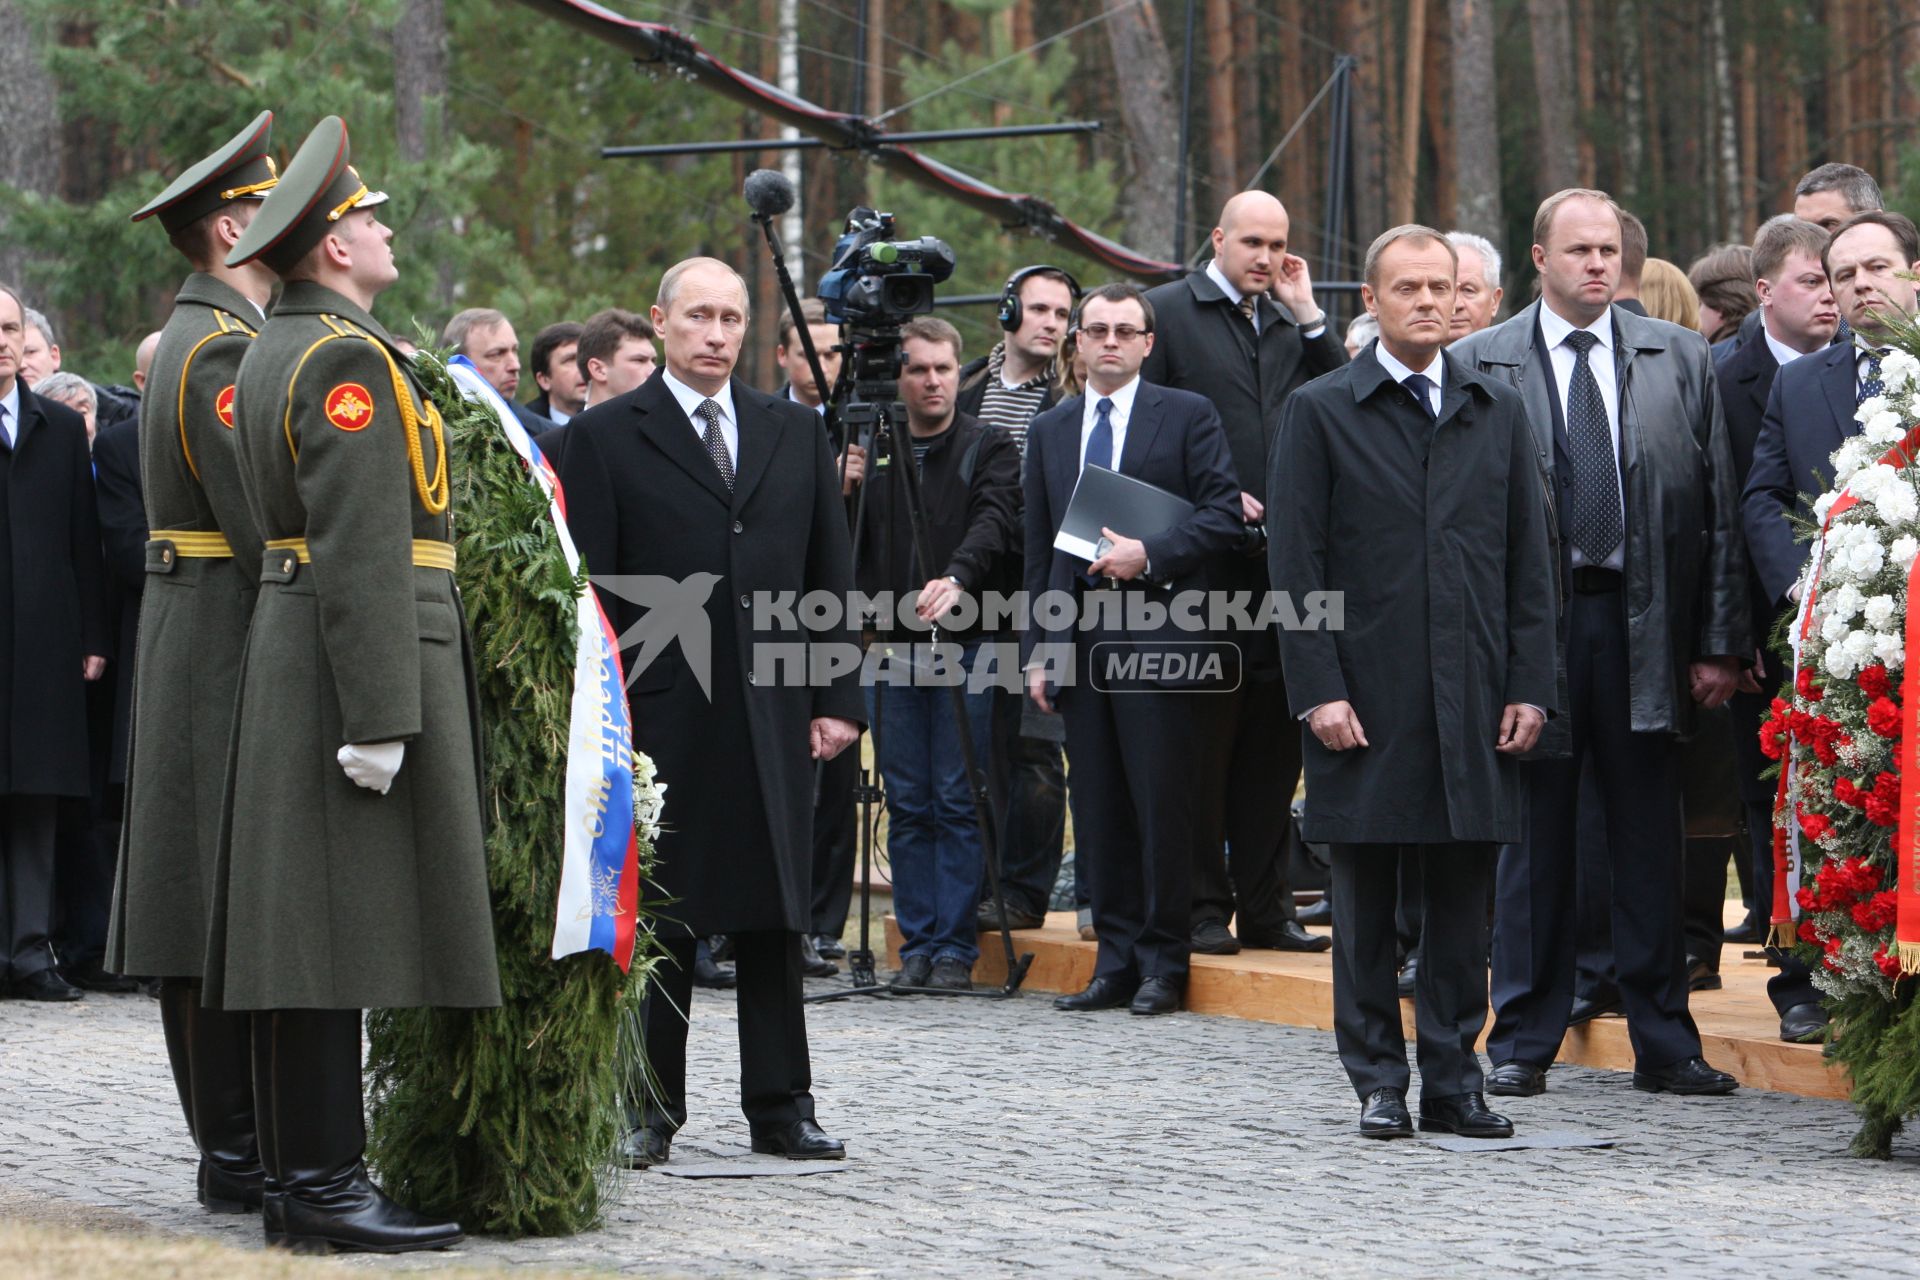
1739,1030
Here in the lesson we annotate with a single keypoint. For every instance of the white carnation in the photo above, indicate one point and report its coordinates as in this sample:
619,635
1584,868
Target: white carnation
1837,663
1872,406
1898,369
1859,647
1897,504
1865,557
1878,611
1904,549
1888,648
1883,428
1822,504
1845,603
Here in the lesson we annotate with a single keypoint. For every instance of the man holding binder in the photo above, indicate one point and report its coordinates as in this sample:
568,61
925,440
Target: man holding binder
1127,682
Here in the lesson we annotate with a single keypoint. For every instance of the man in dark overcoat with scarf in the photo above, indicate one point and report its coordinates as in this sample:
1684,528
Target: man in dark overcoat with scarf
1406,483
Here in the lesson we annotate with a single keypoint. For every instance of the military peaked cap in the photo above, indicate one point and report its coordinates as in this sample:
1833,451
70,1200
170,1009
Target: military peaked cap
241,170
318,189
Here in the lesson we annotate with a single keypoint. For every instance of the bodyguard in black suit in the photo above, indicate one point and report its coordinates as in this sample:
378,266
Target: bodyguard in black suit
720,492
1798,316
1627,426
1406,483
1219,333
53,640
1131,744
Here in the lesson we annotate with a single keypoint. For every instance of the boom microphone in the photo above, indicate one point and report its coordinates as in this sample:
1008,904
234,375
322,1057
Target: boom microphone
769,192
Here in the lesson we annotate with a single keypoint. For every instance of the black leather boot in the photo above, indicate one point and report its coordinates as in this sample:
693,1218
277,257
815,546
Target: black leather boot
319,1138
211,1052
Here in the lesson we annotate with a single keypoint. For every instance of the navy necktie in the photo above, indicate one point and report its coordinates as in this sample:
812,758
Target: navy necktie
1100,439
6,432
1871,383
1417,384
1597,524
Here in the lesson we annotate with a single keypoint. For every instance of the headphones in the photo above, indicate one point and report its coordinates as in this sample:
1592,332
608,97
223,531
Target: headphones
1011,313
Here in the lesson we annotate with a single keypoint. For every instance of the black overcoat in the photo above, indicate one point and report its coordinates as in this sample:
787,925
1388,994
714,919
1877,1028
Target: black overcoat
123,536
644,499
1436,535
53,591
1202,344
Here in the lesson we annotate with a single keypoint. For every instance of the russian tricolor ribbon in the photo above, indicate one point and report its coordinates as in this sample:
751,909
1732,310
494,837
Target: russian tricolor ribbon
600,855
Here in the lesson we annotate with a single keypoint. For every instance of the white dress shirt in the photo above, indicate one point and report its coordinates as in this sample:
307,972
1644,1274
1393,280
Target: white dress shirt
689,401
1781,351
820,408
1117,419
1234,295
1554,331
10,412
1435,373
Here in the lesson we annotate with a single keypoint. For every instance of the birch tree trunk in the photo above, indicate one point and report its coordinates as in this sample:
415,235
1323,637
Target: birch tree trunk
31,144
1476,121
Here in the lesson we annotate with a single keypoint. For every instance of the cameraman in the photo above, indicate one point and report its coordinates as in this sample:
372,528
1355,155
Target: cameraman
970,496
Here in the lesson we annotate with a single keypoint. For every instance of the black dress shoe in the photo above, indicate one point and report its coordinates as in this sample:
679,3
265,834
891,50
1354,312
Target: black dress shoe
1384,1115
1156,995
1409,975
810,962
1804,1024
94,977
1210,938
801,1140
706,973
1691,1076
1101,993
1320,912
915,971
1595,1005
1287,936
645,1147
1751,931
829,946
987,919
949,974
354,1216
1701,976
1465,1114
45,985
1516,1079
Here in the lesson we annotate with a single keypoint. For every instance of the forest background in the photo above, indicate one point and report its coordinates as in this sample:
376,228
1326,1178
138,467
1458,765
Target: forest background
484,119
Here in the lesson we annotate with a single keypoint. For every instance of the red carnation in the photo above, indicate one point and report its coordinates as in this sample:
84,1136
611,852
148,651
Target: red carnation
1882,813
1800,724
1804,686
1889,964
1808,934
1807,898
1847,793
1874,682
1815,825
1774,738
1876,913
1883,717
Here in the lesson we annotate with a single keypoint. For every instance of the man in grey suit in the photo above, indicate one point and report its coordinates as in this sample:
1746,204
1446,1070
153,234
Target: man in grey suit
1628,431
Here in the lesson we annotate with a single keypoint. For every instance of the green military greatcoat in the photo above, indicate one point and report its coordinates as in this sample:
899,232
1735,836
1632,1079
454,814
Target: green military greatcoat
193,625
328,895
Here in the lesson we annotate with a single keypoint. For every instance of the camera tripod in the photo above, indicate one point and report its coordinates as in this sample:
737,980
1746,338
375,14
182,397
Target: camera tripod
864,397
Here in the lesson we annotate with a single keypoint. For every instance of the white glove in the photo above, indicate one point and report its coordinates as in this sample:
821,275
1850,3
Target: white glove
372,764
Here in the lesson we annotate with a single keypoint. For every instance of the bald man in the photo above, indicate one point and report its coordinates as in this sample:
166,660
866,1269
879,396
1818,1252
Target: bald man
143,359
1245,332
697,478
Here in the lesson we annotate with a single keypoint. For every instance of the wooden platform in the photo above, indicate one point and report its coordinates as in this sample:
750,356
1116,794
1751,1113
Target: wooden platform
1738,1025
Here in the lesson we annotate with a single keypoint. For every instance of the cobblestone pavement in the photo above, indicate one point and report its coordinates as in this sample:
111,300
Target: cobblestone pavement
1000,1138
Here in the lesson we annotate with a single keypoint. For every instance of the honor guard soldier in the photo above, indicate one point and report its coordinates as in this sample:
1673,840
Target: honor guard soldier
352,875
203,553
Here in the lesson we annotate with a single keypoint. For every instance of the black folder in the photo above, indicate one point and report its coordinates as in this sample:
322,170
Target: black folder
1107,499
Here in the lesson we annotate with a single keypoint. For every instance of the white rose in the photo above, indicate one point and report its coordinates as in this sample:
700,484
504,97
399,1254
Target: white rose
1878,611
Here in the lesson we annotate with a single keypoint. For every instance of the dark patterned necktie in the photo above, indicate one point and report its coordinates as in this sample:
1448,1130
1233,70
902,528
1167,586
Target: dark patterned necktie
1247,306
1871,384
716,442
1417,384
1597,526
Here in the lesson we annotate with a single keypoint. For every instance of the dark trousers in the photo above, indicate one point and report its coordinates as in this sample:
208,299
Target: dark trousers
1703,896
1248,766
1133,825
835,843
27,825
1031,775
776,1075
1533,939
88,844
1450,993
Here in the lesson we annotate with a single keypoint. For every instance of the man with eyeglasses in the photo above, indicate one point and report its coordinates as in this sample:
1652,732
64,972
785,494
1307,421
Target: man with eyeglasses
1130,741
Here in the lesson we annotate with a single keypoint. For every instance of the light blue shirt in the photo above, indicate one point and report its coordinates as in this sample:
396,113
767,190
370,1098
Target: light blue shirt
10,413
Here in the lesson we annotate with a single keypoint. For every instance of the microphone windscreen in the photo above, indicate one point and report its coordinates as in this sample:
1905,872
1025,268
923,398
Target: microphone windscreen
769,192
